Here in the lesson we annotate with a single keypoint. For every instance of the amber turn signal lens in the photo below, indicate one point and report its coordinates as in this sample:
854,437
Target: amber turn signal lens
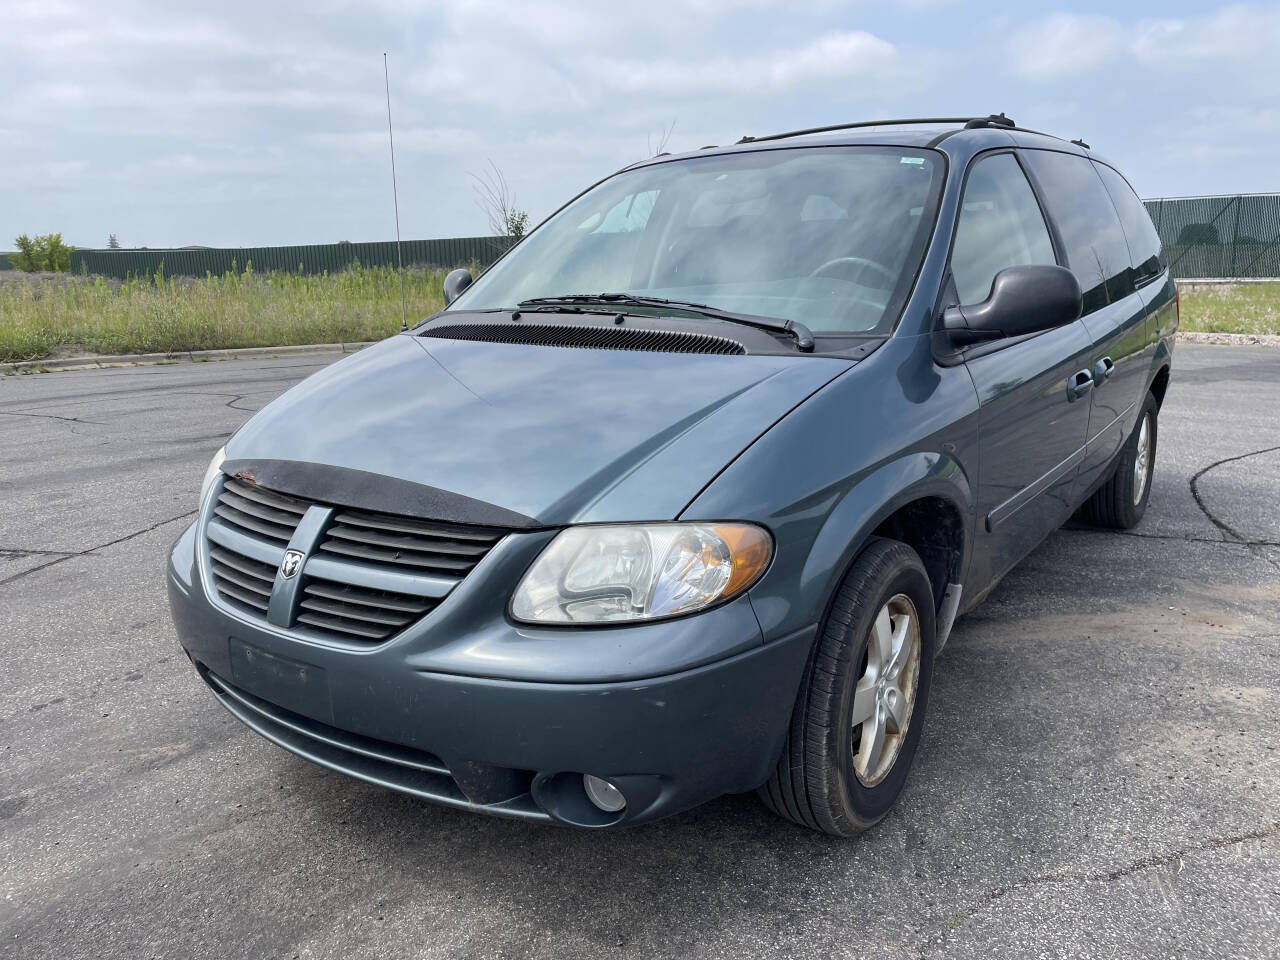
750,550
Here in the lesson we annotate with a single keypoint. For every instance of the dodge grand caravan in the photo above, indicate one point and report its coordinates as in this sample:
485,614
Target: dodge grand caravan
683,495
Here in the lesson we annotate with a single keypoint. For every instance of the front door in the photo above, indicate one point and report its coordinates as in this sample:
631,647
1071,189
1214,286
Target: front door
1034,399
1033,394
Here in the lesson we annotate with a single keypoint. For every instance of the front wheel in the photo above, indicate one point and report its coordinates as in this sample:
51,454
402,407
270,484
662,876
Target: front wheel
1122,500
861,705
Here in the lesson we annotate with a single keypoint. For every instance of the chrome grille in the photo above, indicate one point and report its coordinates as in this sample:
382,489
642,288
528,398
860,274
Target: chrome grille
450,549
242,581
341,608
260,511
374,574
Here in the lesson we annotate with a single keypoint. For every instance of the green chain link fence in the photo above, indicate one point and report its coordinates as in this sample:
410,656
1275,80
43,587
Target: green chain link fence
316,258
1233,237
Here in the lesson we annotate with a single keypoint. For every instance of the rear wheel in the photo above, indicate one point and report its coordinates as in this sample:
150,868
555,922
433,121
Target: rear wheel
861,706
1122,500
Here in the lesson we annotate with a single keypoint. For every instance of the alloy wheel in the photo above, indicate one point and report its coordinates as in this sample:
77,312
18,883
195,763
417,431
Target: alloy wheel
885,695
1142,459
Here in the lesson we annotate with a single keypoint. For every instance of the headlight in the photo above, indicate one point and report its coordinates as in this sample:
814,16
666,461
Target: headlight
611,574
210,475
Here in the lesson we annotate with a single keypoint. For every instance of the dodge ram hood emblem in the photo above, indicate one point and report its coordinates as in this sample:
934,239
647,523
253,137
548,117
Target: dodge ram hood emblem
291,563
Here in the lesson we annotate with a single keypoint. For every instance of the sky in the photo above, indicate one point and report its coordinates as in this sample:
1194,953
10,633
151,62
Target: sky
261,123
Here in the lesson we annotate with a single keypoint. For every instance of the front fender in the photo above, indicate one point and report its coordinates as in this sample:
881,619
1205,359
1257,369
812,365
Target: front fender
895,429
806,574
868,504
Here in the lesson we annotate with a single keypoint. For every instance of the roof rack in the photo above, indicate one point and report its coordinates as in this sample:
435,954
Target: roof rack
998,120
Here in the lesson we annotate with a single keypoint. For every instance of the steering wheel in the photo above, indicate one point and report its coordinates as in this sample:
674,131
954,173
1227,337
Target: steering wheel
861,263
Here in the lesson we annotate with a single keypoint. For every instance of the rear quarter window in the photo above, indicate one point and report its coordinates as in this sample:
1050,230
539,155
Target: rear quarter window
1145,251
1086,218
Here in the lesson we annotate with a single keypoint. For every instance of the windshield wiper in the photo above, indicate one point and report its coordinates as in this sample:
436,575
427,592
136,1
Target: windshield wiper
803,336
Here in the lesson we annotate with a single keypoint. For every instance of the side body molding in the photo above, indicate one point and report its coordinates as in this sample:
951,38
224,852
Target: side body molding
1032,490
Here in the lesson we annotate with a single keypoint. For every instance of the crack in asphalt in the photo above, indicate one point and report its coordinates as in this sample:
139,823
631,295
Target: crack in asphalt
209,393
1222,525
24,552
1152,862
235,398
1228,531
101,546
48,416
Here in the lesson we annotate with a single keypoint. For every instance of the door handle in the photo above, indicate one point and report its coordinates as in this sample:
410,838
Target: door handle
1103,369
1081,382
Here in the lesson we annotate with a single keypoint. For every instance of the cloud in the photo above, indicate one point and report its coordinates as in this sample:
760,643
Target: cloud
1065,43
834,56
1235,33
1061,45
515,80
62,169
37,11
440,140
59,93
527,81
567,24
265,122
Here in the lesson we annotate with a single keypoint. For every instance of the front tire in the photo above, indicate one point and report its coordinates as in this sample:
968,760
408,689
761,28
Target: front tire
861,706
1121,502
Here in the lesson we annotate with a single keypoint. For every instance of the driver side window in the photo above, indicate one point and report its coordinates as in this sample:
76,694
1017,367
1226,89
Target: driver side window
1000,226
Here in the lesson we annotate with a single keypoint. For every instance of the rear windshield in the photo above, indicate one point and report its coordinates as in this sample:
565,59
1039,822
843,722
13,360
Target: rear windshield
829,236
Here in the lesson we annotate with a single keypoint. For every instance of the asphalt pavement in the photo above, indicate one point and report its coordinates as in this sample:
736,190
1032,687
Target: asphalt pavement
1099,775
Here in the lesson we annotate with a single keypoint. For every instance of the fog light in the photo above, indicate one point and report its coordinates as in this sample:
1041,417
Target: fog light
603,794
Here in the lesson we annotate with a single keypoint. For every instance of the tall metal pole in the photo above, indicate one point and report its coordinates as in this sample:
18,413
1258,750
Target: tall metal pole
395,197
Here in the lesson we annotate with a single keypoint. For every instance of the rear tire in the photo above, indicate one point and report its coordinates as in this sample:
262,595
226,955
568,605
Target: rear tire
1120,502
861,705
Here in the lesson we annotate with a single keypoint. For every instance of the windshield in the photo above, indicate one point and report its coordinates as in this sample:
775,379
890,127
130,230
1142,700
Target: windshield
830,237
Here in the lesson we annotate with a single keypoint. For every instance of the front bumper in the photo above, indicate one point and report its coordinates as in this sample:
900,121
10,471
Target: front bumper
486,721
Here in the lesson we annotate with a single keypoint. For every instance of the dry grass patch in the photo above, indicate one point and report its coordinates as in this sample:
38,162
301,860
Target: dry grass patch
41,317
1231,308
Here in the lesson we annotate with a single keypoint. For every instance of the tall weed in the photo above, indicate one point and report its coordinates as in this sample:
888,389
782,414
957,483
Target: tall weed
159,314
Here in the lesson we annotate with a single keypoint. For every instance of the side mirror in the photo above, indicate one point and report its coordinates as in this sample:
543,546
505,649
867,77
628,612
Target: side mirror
1023,300
457,281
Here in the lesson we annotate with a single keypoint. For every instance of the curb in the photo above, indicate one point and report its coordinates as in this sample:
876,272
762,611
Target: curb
184,356
1232,339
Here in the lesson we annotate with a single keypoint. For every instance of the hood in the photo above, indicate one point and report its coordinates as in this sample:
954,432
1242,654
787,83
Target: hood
552,434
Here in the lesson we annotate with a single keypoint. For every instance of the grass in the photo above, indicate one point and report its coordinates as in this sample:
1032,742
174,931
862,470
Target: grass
61,315
1231,308
42,317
